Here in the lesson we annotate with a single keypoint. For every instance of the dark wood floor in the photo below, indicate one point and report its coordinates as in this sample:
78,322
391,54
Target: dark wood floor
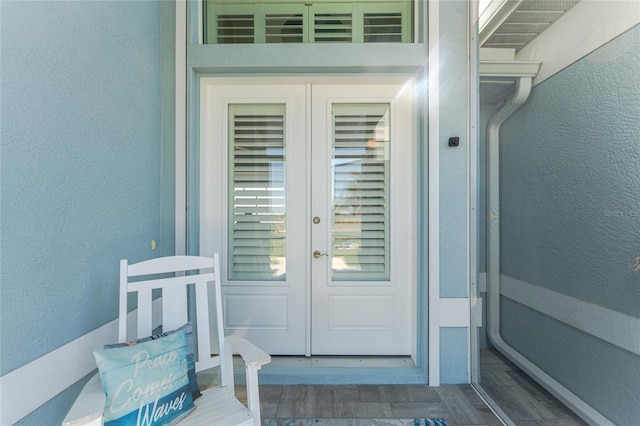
520,397
458,404
525,402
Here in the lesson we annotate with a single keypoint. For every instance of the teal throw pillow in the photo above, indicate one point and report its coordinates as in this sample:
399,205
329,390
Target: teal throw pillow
146,384
191,362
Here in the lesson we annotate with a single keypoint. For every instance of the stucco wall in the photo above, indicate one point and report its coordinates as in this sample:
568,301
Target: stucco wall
454,182
82,180
570,218
454,168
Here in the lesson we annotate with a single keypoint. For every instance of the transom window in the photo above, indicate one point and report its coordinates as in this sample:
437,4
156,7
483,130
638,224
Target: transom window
318,21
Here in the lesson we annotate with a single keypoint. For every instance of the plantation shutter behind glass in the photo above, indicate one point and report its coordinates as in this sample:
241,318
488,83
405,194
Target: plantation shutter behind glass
257,192
360,184
230,22
285,23
386,22
332,23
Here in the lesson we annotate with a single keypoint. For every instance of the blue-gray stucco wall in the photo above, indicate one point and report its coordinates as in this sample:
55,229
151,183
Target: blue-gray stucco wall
454,161
570,218
85,179
603,375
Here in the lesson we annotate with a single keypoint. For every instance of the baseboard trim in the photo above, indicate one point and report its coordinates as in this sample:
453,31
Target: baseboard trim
27,388
32,385
611,326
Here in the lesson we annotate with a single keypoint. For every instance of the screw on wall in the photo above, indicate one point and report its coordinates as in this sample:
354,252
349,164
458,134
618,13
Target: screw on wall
636,263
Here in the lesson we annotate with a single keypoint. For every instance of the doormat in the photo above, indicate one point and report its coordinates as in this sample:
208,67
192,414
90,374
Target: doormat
354,422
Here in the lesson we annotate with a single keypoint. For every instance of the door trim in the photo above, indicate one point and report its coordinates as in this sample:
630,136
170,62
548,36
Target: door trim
217,229
433,209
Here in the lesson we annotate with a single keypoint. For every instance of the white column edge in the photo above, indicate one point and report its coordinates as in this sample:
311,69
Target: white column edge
434,191
181,129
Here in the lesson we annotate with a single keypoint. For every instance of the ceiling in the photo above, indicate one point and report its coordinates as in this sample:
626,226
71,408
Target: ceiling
511,25
514,23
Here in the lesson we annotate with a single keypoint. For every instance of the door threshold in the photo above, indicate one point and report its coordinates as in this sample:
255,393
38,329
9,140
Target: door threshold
337,370
343,361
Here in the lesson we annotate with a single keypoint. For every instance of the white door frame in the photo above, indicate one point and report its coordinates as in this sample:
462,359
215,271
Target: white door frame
206,203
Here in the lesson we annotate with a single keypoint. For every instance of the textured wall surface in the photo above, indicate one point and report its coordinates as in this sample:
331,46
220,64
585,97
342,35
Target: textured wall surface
81,165
603,375
570,219
454,350
570,180
454,171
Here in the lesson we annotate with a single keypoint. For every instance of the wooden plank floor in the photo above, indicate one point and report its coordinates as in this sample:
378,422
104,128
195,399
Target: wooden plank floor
519,396
523,400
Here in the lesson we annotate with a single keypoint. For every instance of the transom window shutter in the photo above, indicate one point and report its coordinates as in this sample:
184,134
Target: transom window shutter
257,192
285,23
332,27
302,22
332,23
360,172
231,24
283,28
382,27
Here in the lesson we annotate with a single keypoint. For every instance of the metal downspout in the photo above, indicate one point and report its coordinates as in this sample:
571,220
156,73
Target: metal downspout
571,400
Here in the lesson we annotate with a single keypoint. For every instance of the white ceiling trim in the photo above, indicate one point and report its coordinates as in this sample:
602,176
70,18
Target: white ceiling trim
515,23
573,37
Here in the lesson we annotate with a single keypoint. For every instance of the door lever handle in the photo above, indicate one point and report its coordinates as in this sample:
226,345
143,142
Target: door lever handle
318,255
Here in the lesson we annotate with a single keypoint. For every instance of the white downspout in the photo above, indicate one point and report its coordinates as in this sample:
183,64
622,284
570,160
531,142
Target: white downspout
584,410
523,88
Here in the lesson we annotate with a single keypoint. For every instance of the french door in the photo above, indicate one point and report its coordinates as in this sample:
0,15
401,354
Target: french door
308,192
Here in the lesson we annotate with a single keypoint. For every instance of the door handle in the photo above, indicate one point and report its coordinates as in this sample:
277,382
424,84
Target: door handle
318,255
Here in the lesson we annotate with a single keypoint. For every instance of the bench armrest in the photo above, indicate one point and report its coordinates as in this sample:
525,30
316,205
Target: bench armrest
250,353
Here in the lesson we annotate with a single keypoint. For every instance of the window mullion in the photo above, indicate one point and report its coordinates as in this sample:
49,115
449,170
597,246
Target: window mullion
259,24
358,23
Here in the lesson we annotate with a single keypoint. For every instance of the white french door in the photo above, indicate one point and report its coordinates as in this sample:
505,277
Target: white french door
362,192
308,192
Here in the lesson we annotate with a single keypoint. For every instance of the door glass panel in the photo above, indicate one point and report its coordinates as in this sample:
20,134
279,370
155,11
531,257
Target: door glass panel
360,192
257,192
